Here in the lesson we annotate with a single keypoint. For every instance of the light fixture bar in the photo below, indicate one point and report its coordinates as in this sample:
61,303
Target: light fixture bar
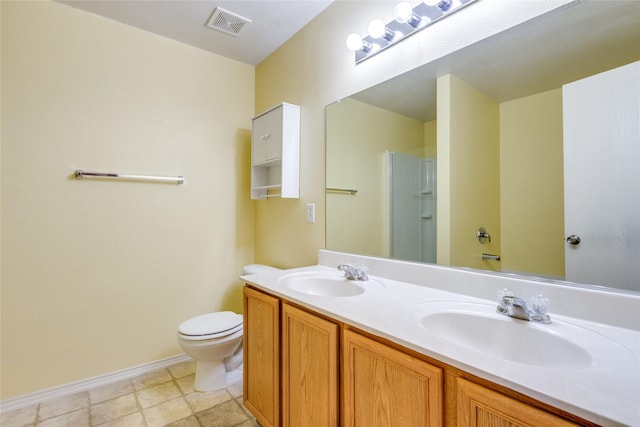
422,16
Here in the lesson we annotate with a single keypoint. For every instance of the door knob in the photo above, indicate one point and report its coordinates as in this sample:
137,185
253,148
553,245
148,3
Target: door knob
573,240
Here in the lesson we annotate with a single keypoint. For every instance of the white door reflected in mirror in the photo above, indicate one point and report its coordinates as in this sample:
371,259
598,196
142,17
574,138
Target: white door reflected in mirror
602,178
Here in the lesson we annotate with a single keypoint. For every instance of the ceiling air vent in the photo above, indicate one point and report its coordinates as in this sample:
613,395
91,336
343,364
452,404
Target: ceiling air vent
227,22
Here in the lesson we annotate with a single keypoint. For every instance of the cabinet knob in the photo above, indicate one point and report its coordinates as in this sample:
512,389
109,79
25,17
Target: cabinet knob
265,136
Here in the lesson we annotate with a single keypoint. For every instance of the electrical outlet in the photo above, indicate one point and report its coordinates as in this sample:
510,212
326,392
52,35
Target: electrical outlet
311,212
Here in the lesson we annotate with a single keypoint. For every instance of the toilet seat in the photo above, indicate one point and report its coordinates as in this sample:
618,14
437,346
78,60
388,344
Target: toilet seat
212,325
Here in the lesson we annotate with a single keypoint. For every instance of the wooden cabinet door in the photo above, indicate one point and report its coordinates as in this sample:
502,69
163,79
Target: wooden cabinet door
309,369
261,379
479,406
383,386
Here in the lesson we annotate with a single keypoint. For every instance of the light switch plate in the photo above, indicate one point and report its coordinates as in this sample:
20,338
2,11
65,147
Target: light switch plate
311,212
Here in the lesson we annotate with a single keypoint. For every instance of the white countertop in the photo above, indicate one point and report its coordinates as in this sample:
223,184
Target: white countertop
606,392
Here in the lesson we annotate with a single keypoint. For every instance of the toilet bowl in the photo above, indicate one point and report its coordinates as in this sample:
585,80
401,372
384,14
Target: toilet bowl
214,341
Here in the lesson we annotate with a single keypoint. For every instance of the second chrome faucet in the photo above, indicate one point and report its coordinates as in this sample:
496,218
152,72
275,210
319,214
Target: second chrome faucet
353,273
516,307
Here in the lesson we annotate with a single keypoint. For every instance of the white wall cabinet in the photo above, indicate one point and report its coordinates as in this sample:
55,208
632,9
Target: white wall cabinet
275,153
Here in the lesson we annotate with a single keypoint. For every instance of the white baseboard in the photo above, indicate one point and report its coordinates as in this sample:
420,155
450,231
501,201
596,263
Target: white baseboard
34,398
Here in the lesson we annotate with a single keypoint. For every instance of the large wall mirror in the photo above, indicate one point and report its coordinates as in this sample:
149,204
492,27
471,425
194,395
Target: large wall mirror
463,161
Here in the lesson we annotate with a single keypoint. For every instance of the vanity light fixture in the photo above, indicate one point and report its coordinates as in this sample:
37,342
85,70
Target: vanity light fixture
407,21
357,43
443,5
378,30
403,13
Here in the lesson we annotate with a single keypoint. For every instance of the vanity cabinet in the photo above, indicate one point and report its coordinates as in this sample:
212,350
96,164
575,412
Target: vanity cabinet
383,386
478,406
275,153
305,369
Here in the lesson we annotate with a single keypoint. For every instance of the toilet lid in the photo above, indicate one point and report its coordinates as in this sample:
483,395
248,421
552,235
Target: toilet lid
212,323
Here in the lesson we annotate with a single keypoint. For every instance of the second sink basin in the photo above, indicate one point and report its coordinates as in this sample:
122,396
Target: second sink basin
326,284
478,327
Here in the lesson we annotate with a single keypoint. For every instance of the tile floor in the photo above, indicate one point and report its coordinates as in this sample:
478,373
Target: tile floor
160,398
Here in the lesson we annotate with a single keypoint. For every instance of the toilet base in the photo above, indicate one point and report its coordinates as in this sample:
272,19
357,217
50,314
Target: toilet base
211,376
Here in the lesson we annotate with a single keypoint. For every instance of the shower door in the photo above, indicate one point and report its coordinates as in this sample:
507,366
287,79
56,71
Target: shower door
411,207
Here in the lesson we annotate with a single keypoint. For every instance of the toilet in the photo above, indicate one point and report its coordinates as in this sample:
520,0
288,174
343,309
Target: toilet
214,341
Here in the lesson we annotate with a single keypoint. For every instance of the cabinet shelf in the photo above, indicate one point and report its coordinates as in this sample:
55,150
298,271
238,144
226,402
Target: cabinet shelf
269,163
267,187
262,192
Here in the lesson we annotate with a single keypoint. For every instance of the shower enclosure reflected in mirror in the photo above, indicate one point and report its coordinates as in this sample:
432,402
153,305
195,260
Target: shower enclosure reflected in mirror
503,168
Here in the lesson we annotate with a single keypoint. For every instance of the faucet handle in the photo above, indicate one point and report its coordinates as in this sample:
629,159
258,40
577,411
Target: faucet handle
502,304
361,271
540,304
539,308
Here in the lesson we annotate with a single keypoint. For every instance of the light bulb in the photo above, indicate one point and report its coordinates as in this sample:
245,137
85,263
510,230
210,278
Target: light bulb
403,12
354,42
377,29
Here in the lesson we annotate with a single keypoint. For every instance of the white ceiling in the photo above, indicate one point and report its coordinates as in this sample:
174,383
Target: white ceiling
272,22
564,45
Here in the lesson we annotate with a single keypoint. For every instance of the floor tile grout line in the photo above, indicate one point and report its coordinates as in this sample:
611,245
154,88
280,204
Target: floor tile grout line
138,384
39,408
92,405
243,409
139,405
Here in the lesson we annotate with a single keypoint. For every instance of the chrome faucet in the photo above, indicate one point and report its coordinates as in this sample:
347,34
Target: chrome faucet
353,273
516,307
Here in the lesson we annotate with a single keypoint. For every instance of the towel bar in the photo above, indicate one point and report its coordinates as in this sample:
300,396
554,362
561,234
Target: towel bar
342,190
80,174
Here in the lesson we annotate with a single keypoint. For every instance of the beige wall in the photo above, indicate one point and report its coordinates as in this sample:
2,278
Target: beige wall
97,275
468,131
360,135
314,69
430,139
531,184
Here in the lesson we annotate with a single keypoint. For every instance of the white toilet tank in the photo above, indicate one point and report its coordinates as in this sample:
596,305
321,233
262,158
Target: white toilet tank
257,268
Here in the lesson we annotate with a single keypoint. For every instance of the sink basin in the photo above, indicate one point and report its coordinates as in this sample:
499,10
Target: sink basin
478,327
326,284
